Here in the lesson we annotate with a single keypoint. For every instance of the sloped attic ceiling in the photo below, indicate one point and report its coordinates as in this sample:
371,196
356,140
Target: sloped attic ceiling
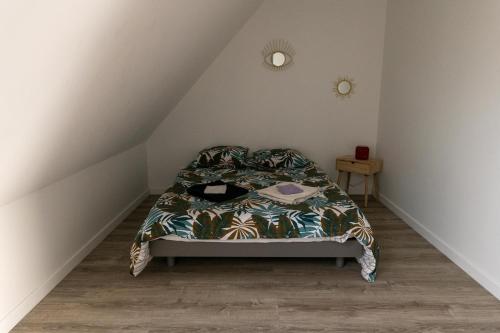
84,80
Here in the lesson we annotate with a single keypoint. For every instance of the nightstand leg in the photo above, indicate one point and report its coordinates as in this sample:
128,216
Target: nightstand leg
348,182
366,191
375,186
339,178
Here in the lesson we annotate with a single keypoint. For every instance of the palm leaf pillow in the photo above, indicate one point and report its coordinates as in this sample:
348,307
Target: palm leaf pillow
279,158
230,157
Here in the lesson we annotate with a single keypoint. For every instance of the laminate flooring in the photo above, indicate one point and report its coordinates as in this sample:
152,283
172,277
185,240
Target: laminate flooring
417,290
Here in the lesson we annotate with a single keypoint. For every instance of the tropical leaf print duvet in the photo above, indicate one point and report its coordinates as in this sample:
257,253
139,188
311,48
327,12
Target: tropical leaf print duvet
330,216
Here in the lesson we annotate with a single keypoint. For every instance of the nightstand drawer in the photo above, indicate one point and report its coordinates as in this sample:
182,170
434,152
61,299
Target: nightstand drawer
353,167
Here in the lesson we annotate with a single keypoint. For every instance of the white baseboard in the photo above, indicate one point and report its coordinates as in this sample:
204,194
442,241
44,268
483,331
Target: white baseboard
484,279
23,308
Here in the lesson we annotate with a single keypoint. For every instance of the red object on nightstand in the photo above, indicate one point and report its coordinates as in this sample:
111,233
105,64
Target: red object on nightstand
362,153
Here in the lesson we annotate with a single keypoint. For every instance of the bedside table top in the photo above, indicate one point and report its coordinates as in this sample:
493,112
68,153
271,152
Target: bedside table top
351,158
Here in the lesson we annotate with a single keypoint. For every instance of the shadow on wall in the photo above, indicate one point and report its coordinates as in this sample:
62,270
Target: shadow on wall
85,80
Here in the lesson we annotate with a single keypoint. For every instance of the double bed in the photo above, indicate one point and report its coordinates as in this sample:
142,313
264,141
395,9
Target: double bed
329,224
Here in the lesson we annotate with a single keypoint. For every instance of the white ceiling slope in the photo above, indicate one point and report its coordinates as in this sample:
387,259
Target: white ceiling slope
84,80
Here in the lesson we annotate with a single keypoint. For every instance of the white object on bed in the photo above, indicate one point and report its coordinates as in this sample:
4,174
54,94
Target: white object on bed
215,189
273,193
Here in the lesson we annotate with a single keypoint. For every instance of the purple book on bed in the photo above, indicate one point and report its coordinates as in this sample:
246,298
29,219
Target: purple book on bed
289,189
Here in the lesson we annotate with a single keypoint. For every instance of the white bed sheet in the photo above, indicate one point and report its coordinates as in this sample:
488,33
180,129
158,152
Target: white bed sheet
259,240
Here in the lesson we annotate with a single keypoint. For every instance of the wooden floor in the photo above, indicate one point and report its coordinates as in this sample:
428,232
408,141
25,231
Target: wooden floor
417,290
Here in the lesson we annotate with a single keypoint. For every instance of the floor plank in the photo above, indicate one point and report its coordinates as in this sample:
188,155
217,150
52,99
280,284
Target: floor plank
417,290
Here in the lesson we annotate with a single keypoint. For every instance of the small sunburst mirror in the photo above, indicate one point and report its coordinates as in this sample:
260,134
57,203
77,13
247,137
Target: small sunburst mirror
344,87
278,54
278,59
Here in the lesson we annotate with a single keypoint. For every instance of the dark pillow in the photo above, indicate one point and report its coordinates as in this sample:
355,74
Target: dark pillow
232,191
230,157
282,158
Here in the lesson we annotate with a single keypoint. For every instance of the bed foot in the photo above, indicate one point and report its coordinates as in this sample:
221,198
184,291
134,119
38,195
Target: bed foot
339,262
170,261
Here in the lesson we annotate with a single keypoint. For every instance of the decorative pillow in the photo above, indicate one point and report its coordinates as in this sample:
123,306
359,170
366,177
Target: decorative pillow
222,157
279,158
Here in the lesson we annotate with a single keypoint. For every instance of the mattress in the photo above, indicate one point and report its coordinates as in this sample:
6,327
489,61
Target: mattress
256,240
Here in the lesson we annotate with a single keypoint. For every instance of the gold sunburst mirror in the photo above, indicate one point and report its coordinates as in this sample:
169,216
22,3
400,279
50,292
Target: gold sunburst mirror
278,54
344,87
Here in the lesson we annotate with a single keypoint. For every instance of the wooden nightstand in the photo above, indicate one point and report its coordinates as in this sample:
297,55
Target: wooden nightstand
366,168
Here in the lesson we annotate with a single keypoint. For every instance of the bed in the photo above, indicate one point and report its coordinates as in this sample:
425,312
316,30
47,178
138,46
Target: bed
329,224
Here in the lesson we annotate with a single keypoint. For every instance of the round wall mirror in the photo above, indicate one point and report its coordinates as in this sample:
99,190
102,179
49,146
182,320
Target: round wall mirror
278,59
344,87
278,55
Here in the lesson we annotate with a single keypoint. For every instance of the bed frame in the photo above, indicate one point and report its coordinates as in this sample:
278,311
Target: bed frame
321,249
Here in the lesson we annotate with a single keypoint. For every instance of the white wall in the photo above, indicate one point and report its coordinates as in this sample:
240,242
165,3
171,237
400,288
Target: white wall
47,233
239,101
438,127
84,80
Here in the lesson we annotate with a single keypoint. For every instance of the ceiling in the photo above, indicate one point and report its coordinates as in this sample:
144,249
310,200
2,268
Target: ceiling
84,80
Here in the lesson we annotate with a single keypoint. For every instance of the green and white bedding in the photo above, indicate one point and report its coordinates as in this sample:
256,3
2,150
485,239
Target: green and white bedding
332,215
